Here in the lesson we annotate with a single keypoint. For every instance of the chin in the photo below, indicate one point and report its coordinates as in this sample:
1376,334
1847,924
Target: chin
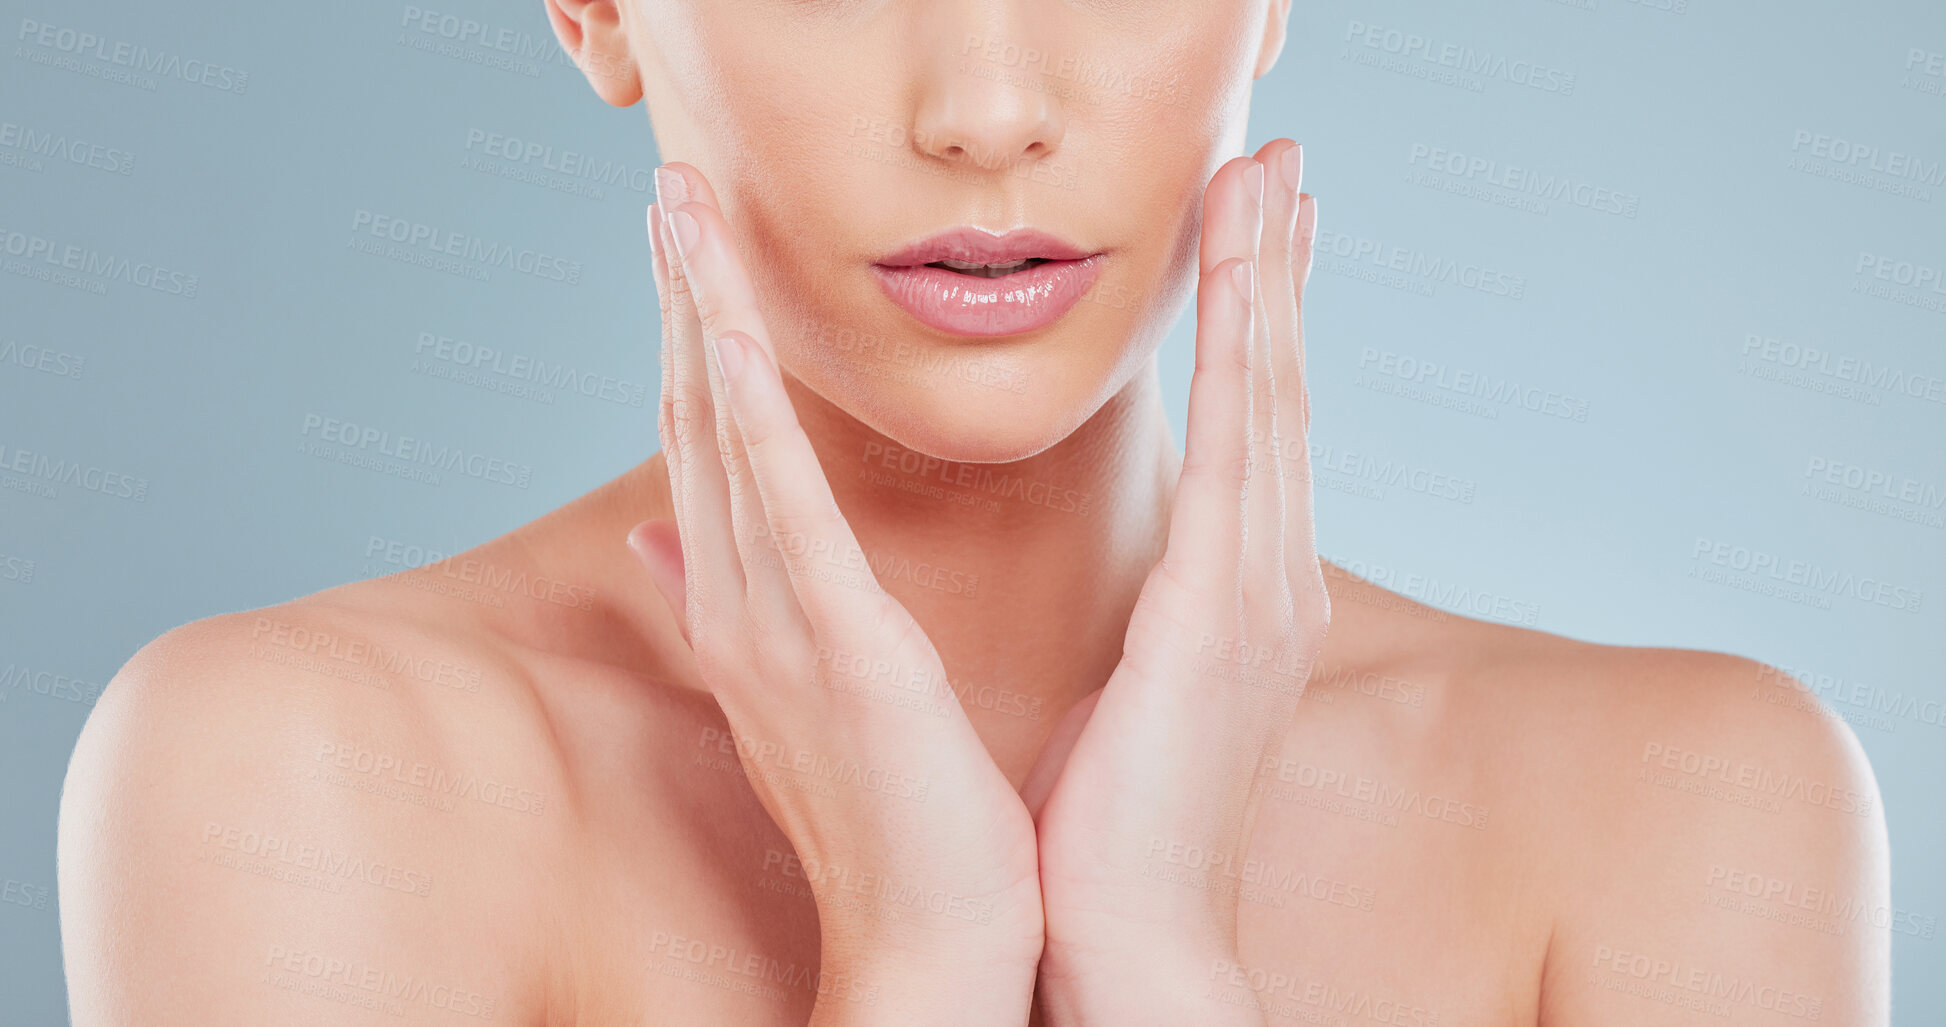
995,401
973,423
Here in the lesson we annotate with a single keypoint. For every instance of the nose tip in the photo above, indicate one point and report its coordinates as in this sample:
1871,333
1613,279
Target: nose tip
982,151
990,125
980,111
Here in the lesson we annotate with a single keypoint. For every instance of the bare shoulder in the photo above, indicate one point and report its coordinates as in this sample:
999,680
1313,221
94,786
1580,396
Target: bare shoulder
1592,710
307,810
1718,844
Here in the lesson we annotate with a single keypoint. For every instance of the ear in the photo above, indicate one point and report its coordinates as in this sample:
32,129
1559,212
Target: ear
592,33
1274,23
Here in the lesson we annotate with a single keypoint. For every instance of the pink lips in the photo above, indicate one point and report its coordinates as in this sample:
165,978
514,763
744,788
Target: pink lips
971,305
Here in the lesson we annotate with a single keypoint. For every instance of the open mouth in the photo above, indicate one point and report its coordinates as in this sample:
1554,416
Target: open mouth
970,282
1001,270
969,298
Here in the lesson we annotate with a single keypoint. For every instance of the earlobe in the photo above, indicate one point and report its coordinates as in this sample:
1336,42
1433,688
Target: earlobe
1276,20
592,32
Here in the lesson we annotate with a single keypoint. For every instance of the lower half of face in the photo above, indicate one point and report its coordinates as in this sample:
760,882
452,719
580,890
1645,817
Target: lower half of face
967,232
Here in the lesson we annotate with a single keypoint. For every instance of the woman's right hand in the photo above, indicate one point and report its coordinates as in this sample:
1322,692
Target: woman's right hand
839,705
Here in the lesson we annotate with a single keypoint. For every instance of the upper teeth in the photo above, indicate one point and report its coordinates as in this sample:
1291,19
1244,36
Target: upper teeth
967,265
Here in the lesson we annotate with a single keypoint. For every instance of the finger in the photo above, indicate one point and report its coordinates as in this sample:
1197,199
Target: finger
1278,260
1205,549
1232,213
828,570
1206,529
1283,161
767,591
665,406
696,182
659,548
659,263
712,564
1287,262
727,302
725,298
709,259
1304,247
1271,433
1047,768
1294,409
653,541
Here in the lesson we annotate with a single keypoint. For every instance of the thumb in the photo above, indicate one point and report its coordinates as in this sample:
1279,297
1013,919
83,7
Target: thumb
656,544
1054,754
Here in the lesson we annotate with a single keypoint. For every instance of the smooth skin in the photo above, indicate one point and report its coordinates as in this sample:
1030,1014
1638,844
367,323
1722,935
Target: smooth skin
742,568
551,782
774,595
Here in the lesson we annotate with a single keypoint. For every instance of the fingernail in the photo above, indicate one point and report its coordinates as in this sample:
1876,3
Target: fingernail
729,356
1253,180
685,229
671,188
654,230
1293,166
1245,277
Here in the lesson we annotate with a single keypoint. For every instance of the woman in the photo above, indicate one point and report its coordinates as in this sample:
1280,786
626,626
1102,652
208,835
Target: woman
960,697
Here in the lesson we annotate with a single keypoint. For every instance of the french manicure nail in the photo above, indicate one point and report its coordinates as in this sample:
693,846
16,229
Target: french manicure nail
1293,166
684,227
671,188
729,356
1245,277
655,229
1253,180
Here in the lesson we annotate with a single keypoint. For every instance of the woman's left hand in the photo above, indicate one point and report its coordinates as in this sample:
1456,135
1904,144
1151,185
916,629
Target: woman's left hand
1143,832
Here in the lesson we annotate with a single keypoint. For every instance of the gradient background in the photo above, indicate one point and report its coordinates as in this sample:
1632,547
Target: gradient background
1704,115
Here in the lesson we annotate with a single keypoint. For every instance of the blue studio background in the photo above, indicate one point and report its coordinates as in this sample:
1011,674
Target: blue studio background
1728,337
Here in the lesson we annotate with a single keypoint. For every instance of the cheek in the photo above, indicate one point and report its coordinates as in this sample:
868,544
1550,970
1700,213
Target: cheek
785,188
805,148
1167,116
747,99
818,314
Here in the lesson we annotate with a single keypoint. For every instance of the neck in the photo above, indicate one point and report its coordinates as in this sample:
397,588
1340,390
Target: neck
1022,574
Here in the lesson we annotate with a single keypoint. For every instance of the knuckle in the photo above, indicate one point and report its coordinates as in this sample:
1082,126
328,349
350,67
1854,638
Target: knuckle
892,628
759,433
736,467
1179,586
665,300
1312,606
728,443
1230,470
690,412
710,319
1239,358
717,642
678,281
1231,360
798,533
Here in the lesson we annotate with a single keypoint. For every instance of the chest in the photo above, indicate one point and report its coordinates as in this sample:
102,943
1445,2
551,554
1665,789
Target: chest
1369,896
1395,877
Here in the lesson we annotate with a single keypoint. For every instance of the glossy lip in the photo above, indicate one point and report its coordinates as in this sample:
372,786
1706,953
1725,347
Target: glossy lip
978,247
988,307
